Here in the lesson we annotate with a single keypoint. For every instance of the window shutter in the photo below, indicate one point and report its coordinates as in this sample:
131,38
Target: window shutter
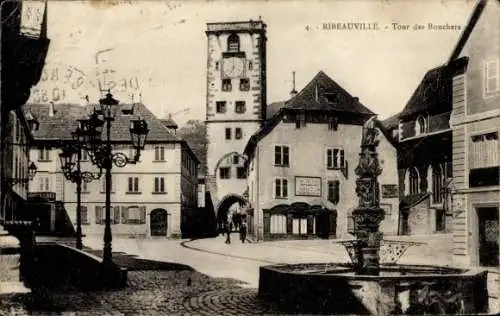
98,214
116,214
142,211
124,215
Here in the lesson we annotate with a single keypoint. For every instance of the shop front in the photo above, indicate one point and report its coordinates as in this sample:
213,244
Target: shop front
299,221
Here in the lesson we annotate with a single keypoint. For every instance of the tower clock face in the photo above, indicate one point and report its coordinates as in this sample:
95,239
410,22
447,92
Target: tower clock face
233,67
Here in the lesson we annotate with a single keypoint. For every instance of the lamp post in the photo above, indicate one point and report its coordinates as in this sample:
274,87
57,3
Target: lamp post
71,157
102,155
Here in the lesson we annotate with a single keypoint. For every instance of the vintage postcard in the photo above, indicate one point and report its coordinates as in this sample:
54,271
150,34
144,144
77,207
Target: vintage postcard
250,157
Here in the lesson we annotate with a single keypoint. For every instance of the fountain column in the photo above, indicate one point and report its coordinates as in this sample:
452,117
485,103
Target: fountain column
368,215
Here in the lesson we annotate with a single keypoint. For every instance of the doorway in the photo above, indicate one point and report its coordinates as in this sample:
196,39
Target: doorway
488,236
159,222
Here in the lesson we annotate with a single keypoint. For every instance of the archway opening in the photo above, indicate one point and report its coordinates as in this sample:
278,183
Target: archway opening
232,210
159,222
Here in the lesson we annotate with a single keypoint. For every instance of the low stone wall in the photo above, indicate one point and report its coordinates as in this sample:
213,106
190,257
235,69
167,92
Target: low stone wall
64,266
297,290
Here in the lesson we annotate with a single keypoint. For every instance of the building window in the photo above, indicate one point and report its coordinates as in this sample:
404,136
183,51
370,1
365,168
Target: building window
85,187
413,181
240,173
84,214
228,133
133,185
216,65
133,215
440,220
85,155
420,126
226,85
299,226
44,154
332,123
224,172
244,84
220,106
280,188
335,158
233,43
159,153
437,185
236,160
250,65
484,150
282,156
333,188
240,107
278,224
159,185
100,217
491,77
44,184
103,185
238,133
300,120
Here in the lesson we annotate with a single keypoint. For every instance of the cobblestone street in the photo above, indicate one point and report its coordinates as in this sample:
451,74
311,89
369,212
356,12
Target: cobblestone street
200,277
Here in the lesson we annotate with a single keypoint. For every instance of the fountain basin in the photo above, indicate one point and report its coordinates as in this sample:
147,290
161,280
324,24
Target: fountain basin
398,289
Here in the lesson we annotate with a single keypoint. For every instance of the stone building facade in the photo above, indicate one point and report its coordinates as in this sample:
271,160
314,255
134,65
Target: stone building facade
235,104
476,149
301,180
149,198
424,139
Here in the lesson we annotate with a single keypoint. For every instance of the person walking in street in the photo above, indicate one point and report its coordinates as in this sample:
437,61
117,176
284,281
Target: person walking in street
243,232
228,232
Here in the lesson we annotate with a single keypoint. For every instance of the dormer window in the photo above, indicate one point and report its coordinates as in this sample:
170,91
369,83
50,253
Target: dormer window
233,43
420,126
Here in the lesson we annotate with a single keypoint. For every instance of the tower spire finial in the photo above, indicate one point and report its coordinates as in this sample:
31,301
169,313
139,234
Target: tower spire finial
293,92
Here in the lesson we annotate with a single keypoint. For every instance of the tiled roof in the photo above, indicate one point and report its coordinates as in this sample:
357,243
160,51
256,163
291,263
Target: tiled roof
433,94
63,122
391,122
320,94
169,122
323,93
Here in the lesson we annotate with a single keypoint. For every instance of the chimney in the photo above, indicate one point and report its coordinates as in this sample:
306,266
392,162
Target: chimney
293,92
52,111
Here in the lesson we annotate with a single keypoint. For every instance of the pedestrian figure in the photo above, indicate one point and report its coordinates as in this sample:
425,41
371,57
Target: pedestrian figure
228,232
243,232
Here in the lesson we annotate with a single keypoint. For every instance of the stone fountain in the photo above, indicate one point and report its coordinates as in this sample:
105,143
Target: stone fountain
365,285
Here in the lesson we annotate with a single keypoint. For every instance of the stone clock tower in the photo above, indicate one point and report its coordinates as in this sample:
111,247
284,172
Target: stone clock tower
236,103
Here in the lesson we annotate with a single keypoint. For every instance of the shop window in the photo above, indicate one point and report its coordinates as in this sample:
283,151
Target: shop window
299,226
278,224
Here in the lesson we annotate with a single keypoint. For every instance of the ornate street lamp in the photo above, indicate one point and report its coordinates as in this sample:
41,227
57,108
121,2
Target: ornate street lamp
32,169
103,156
70,158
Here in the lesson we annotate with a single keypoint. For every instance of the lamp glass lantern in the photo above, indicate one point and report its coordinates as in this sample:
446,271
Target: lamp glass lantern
138,133
32,169
66,157
108,107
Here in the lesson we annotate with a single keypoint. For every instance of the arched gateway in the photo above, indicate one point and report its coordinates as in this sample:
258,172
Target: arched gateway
225,204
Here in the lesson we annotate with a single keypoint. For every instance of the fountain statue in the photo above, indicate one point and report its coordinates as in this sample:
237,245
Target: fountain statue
368,215
373,282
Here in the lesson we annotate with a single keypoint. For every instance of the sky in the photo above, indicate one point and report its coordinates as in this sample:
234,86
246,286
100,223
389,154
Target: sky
155,51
